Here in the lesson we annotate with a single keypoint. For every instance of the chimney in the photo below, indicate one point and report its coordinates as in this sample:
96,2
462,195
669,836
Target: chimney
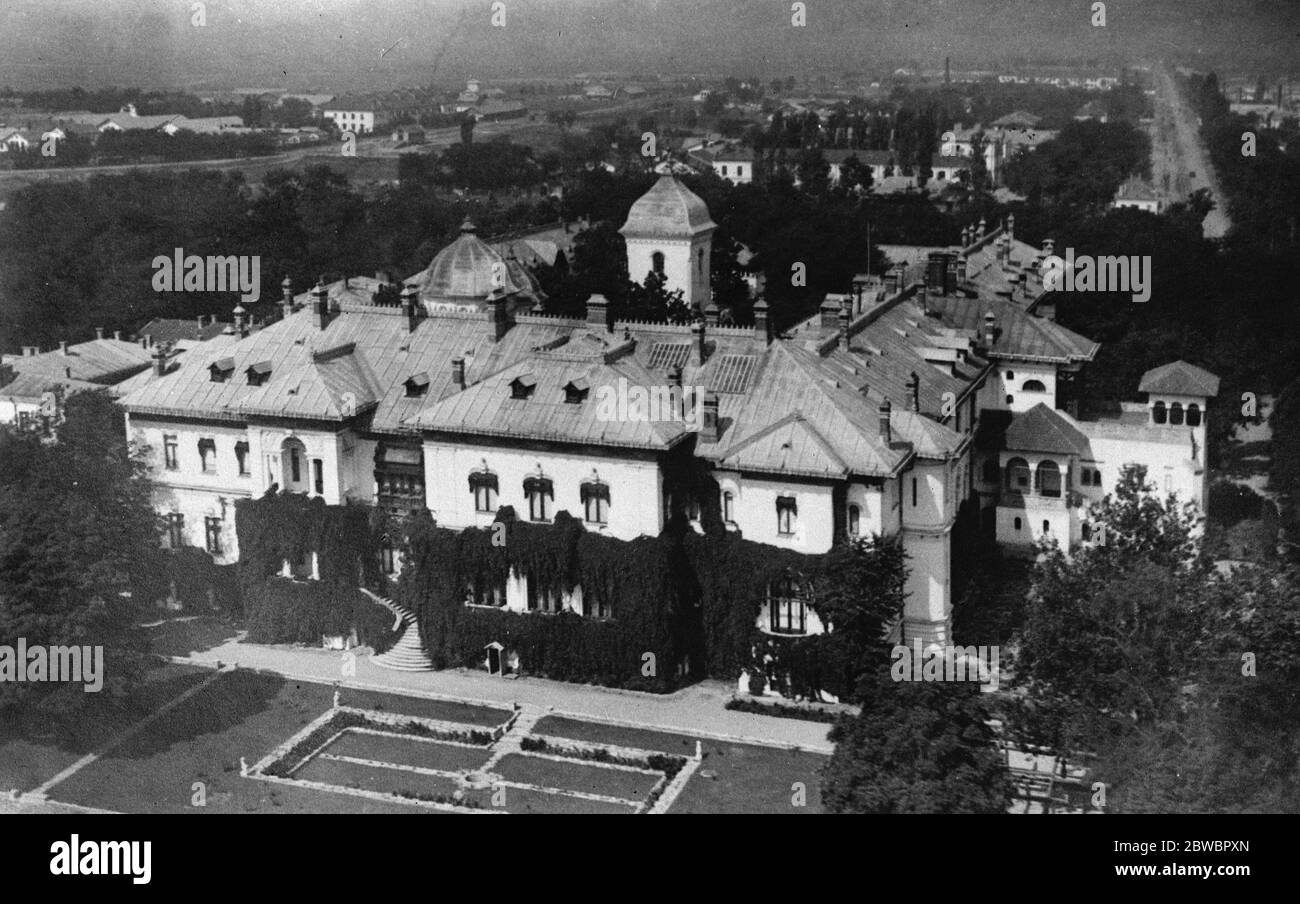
241,322
117,334
697,336
1049,247
845,319
500,316
886,432
712,314
960,272
199,321
966,233
320,305
63,347
286,297
598,313
411,307
99,332
914,387
709,419
458,372
989,329
31,350
1011,229
762,330
936,264
979,232
159,361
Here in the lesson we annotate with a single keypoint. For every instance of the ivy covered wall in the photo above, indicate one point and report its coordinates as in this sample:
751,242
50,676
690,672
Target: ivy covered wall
682,606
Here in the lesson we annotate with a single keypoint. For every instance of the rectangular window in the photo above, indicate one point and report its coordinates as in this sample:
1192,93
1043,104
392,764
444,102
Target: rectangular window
388,559
241,456
485,498
294,466
540,492
208,455
787,512
541,599
169,452
175,530
212,535
318,475
787,615
913,492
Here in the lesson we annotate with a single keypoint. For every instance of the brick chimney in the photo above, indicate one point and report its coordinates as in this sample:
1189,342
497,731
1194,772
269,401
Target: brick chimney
598,313
709,419
699,352
914,389
762,329
411,307
990,323
159,357
458,372
500,316
320,305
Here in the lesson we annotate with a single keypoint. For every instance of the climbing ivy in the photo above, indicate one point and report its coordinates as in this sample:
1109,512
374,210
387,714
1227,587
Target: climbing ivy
685,605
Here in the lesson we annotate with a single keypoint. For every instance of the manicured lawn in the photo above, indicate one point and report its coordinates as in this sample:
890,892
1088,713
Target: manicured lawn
575,775
519,800
445,710
747,778
37,745
374,778
242,714
408,751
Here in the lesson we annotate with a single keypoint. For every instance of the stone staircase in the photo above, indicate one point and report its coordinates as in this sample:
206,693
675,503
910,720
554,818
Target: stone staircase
408,654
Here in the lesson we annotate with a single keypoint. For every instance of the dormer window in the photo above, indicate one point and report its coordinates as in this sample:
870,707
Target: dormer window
575,392
522,387
259,373
417,386
221,370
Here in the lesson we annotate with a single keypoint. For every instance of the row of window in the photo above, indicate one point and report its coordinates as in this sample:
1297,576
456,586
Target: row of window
1047,526
211,533
538,599
540,494
207,455
1173,414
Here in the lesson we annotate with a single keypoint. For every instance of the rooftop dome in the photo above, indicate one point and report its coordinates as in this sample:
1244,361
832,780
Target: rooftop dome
464,271
668,209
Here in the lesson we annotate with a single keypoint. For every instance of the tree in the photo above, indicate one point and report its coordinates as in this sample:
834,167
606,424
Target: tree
814,171
916,747
467,129
77,532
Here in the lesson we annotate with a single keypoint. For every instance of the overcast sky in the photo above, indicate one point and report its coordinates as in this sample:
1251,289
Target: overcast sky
337,44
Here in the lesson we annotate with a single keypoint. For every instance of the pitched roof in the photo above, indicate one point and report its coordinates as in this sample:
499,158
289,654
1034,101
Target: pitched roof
1135,188
467,269
96,361
1180,378
1044,429
166,330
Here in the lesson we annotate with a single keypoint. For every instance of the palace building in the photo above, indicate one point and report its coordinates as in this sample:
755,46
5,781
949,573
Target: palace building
883,413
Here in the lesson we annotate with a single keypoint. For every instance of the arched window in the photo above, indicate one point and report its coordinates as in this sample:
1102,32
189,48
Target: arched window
657,262
1011,399
1047,527
1034,386
1017,524
1018,475
1193,415
1158,414
1176,414
855,520
1047,478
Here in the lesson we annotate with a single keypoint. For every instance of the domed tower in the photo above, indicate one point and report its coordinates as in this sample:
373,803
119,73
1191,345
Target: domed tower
467,274
669,231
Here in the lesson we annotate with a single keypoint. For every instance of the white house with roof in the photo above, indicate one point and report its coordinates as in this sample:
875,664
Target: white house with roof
1138,193
882,414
